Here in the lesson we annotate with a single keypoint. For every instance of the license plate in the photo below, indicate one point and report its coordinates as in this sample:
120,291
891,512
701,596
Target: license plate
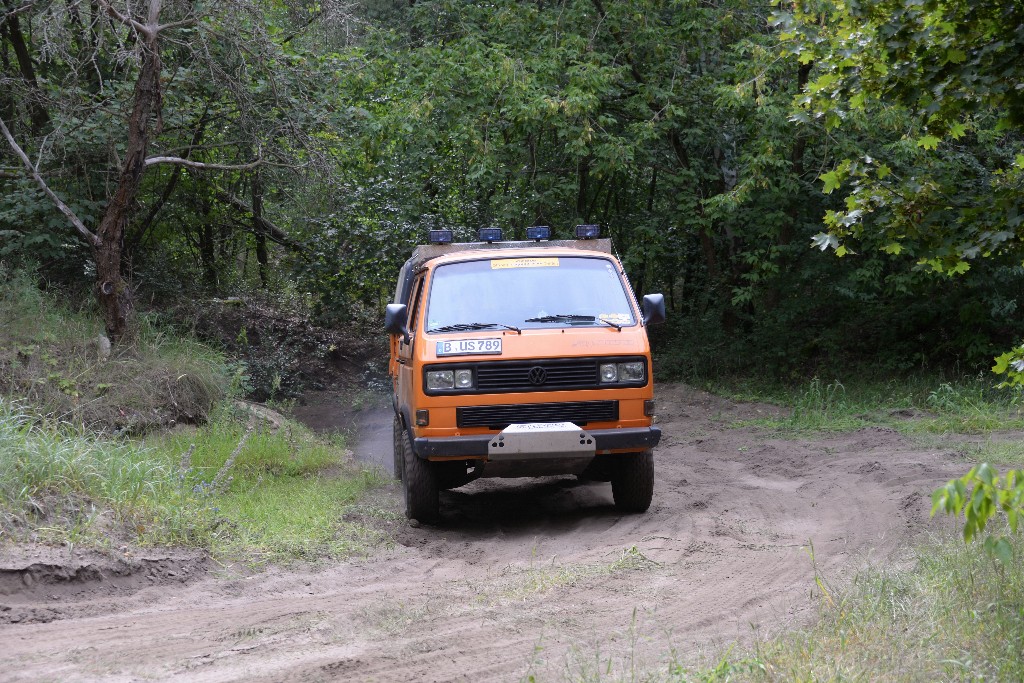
468,347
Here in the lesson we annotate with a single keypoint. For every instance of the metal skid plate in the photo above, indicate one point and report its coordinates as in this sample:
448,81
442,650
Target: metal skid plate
534,441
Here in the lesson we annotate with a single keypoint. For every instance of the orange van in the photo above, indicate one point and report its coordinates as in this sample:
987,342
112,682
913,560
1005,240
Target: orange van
515,359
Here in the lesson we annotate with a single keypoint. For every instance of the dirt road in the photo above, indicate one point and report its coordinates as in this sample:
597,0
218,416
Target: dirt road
523,577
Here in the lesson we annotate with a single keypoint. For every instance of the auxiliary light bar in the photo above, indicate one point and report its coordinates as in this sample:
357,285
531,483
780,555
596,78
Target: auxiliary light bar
441,237
489,235
588,232
538,232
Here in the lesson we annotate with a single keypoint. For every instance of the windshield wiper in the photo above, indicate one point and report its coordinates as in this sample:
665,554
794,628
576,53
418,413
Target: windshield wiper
571,318
618,327
561,318
466,327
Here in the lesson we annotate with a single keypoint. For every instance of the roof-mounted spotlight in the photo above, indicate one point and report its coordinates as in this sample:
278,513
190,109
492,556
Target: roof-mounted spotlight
588,232
489,235
538,233
441,237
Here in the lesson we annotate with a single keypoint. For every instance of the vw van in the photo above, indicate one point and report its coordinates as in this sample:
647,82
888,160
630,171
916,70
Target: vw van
521,359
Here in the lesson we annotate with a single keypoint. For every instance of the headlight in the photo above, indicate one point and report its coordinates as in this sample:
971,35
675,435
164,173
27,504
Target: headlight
446,380
609,373
631,372
441,379
464,379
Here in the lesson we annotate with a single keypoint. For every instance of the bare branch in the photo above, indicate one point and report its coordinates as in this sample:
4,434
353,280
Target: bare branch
126,20
271,230
16,11
64,208
179,161
176,24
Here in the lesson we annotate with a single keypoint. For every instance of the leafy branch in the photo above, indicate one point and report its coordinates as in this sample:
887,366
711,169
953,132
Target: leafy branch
980,495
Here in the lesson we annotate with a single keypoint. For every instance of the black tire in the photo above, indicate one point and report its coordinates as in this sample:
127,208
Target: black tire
419,484
633,481
397,448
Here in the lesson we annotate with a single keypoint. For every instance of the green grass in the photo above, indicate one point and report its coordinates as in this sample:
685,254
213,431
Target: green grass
283,498
58,482
919,406
52,357
70,474
954,616
288,489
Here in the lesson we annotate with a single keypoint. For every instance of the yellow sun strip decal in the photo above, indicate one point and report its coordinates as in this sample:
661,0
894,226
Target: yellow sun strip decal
498,264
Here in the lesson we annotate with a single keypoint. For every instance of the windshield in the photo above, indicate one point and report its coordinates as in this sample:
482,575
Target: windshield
528,293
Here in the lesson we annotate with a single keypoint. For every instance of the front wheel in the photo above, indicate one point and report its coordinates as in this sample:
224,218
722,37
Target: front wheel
633,481
419,484
398,433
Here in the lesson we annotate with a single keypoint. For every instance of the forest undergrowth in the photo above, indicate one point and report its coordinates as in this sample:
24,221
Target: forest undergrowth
149,445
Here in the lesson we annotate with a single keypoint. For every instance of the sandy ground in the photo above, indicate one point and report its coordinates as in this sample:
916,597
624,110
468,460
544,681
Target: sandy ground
523,577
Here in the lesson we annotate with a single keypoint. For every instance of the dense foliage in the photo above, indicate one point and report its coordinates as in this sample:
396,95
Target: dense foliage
328,140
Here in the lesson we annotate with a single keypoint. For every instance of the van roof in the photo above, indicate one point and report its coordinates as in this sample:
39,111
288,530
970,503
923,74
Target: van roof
427,252
458,251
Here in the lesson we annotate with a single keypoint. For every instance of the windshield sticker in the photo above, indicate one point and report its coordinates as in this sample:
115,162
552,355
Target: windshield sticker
498,264
617,318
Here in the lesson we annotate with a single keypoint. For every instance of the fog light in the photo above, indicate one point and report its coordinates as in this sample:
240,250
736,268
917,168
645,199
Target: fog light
538,232
609,372
441,236
489,234
422,418
464,379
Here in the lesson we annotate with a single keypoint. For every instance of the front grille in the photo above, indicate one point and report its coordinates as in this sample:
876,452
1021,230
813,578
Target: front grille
499,417
541,374
556,375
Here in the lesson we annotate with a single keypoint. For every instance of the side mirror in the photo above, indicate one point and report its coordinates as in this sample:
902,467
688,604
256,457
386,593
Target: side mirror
653,308
395,316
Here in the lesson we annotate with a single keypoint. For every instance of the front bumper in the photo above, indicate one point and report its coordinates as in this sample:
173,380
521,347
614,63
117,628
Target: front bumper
476,446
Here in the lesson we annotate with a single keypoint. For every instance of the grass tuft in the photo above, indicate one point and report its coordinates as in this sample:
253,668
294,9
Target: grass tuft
58,360
918,407
954,616
283,498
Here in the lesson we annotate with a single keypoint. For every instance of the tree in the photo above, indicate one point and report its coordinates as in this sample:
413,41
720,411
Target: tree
625,114
107,239
955,66
219,91
951,188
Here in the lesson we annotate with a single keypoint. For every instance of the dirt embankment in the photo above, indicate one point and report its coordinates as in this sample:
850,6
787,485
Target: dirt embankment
523,576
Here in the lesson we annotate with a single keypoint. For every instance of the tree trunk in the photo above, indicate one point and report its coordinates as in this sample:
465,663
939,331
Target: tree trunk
774,294
112,292
39,115
262,257
207,253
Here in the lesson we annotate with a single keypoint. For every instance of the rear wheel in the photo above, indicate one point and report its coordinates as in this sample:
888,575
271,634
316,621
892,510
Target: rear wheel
419,484
633,481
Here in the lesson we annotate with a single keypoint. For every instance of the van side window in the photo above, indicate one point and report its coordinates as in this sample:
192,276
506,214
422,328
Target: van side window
415,308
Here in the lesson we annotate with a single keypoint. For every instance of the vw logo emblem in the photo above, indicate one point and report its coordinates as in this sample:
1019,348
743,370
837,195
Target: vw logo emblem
538,375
